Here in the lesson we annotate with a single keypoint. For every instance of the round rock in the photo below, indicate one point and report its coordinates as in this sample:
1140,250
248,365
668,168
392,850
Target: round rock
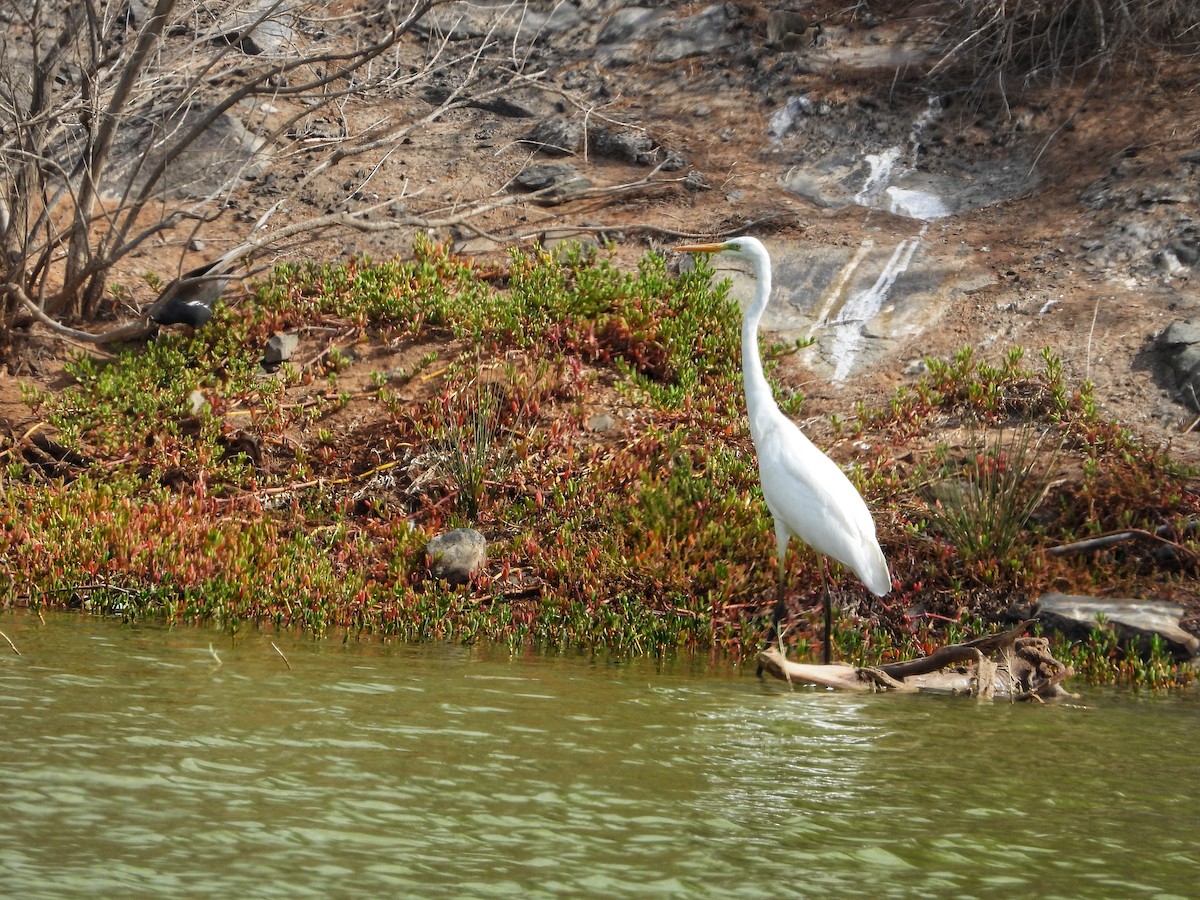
456,555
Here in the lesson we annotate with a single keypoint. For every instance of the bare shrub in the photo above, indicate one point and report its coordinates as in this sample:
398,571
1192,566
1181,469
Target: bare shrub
127,124
998,46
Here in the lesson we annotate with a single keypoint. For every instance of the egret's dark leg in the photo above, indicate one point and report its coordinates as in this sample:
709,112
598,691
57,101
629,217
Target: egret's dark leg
779,613
828,604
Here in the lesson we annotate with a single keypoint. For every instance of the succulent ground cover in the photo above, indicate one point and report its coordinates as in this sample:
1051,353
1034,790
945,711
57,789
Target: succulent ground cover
589,421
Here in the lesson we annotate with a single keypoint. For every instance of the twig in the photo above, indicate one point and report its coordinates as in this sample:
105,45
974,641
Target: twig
329,348
10,643
1119,537
1087,372
280,652
1196,404
301,485
640,228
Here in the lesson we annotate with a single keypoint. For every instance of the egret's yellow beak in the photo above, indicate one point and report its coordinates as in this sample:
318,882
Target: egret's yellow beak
700,248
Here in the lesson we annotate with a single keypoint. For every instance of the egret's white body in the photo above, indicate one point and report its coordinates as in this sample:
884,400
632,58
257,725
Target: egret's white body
808,494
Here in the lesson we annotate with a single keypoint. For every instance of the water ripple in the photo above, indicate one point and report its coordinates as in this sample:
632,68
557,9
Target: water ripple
438,771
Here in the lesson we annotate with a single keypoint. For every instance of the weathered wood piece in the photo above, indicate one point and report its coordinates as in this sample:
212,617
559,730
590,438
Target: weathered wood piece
1006,666
1136,621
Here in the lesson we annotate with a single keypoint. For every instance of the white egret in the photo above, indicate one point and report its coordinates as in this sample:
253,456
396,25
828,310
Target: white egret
808,494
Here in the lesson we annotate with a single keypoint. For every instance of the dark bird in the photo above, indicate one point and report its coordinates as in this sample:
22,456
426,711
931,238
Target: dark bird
189,299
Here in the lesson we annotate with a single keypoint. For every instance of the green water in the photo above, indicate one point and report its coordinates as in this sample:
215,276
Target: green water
133,763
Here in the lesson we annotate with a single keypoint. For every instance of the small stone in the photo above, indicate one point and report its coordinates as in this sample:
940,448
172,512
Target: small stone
456,555
672,161
1183,332
539,176
198,401
560,136
280,347
601,422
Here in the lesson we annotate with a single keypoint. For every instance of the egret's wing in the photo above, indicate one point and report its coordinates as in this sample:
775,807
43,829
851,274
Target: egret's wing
813,496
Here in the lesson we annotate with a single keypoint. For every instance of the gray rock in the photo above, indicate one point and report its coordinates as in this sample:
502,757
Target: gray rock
695,35
631,146
1165,192
845,176
783,118
1186,251
1166,261
1185,361
627,24
1181,333
1179,351
505,22
601,422
560,136
1135,621
563,136
456,555
859,304
539,176
222,155
672,161
273,33
280,347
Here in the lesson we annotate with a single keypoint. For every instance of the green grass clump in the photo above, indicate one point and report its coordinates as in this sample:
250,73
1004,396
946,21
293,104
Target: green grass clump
139,405
671,336
433,290
983,503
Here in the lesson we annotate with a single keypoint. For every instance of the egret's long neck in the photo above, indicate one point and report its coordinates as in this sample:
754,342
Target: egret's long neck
758,392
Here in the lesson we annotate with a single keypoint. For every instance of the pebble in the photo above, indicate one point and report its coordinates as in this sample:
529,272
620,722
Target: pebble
456,555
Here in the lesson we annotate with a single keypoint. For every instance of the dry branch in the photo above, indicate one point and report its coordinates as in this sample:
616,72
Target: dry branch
10,643
77,81
1100,542
1007,666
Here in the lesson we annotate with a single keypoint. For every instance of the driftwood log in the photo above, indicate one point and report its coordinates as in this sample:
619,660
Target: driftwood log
1006,666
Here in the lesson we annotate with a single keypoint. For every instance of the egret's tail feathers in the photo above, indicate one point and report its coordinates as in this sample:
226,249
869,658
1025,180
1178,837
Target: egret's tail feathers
874,572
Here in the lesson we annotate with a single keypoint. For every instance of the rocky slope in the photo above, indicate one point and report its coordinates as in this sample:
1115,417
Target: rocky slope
904,223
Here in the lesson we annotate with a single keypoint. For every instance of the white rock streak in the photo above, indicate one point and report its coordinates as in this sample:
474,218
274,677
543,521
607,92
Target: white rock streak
865,305
877,191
